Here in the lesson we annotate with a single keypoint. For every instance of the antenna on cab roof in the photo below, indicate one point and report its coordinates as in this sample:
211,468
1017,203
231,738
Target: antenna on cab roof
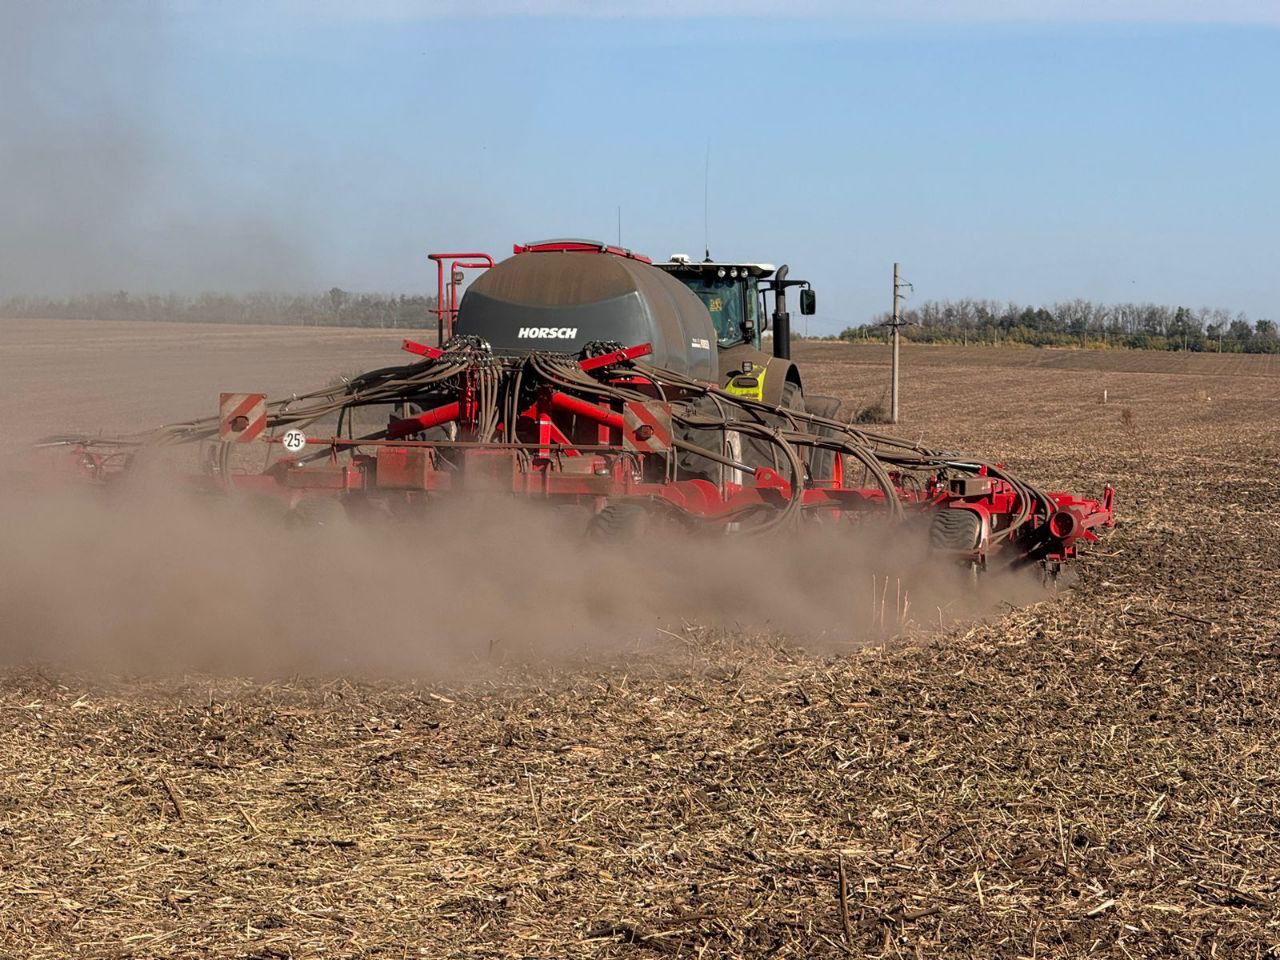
706,205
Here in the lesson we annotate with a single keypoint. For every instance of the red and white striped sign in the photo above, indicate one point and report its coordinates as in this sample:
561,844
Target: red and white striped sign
646,426
241,417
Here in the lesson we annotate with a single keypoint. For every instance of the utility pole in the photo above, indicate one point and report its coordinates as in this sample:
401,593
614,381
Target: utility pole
896,324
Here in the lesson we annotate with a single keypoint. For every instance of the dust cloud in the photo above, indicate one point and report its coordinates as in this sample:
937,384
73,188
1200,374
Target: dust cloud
147,580
106,182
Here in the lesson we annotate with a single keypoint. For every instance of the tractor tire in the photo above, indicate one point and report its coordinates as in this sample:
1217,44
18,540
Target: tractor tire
619,523
955,530
822,463
828,407
692,466
793,398
762,453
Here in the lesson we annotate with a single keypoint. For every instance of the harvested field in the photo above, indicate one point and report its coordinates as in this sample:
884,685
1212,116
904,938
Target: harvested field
1092,775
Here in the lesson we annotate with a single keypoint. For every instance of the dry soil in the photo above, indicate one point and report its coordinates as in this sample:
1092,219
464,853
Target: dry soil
1093,774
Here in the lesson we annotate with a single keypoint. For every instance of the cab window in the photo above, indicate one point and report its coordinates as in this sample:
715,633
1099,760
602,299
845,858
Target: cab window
724,301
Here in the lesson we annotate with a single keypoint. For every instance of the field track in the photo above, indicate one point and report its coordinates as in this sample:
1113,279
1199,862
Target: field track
1093,775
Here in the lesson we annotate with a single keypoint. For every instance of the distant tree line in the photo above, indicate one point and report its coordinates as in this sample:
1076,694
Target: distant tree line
335,308
1146,326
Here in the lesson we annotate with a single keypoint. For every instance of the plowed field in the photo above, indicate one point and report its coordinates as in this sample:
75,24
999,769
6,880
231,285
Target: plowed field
1093,774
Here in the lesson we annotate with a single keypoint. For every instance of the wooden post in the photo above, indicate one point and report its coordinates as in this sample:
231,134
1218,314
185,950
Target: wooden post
897,322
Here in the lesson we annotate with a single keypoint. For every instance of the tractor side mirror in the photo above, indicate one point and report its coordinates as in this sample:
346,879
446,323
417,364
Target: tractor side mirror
808,302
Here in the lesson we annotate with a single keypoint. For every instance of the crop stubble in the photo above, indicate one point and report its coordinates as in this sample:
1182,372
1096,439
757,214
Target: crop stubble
1092,774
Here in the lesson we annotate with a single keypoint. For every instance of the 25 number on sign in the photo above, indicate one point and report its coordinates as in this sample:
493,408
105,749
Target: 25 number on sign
294,441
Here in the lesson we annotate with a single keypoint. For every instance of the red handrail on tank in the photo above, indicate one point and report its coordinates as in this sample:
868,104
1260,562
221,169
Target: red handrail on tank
578,246
447,292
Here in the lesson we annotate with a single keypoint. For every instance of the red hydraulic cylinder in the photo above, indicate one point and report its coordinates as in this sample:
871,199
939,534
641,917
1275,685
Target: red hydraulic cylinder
424,421
583,408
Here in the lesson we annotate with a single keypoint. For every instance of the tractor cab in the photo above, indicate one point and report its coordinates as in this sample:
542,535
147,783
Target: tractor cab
731,292
736,297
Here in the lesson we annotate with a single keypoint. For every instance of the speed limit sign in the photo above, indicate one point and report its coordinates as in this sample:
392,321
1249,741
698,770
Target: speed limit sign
294,441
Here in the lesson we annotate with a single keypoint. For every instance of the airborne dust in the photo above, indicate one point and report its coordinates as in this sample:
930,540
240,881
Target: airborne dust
147,579
102,192
107,182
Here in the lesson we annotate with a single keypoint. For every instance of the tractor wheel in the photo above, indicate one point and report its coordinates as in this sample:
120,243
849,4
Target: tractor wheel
757,452
822,463
619,522
828,407
793,397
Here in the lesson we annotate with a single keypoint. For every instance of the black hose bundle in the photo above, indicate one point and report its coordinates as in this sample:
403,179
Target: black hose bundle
502,387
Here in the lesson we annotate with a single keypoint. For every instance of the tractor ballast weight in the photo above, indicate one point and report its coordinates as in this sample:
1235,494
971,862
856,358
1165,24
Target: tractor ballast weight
585,417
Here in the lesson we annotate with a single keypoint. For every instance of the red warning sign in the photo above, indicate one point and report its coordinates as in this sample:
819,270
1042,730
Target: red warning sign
241,417
646,426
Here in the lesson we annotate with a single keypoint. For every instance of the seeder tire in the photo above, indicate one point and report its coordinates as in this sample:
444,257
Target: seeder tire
572,521
955,530
312,512
618,523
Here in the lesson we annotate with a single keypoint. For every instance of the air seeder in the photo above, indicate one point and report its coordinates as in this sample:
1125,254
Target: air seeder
637,394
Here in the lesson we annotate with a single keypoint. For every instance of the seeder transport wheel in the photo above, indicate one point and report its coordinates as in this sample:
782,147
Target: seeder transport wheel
619,522
311,512
955,530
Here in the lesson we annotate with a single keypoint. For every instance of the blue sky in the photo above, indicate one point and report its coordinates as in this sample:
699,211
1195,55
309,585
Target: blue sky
1016,150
